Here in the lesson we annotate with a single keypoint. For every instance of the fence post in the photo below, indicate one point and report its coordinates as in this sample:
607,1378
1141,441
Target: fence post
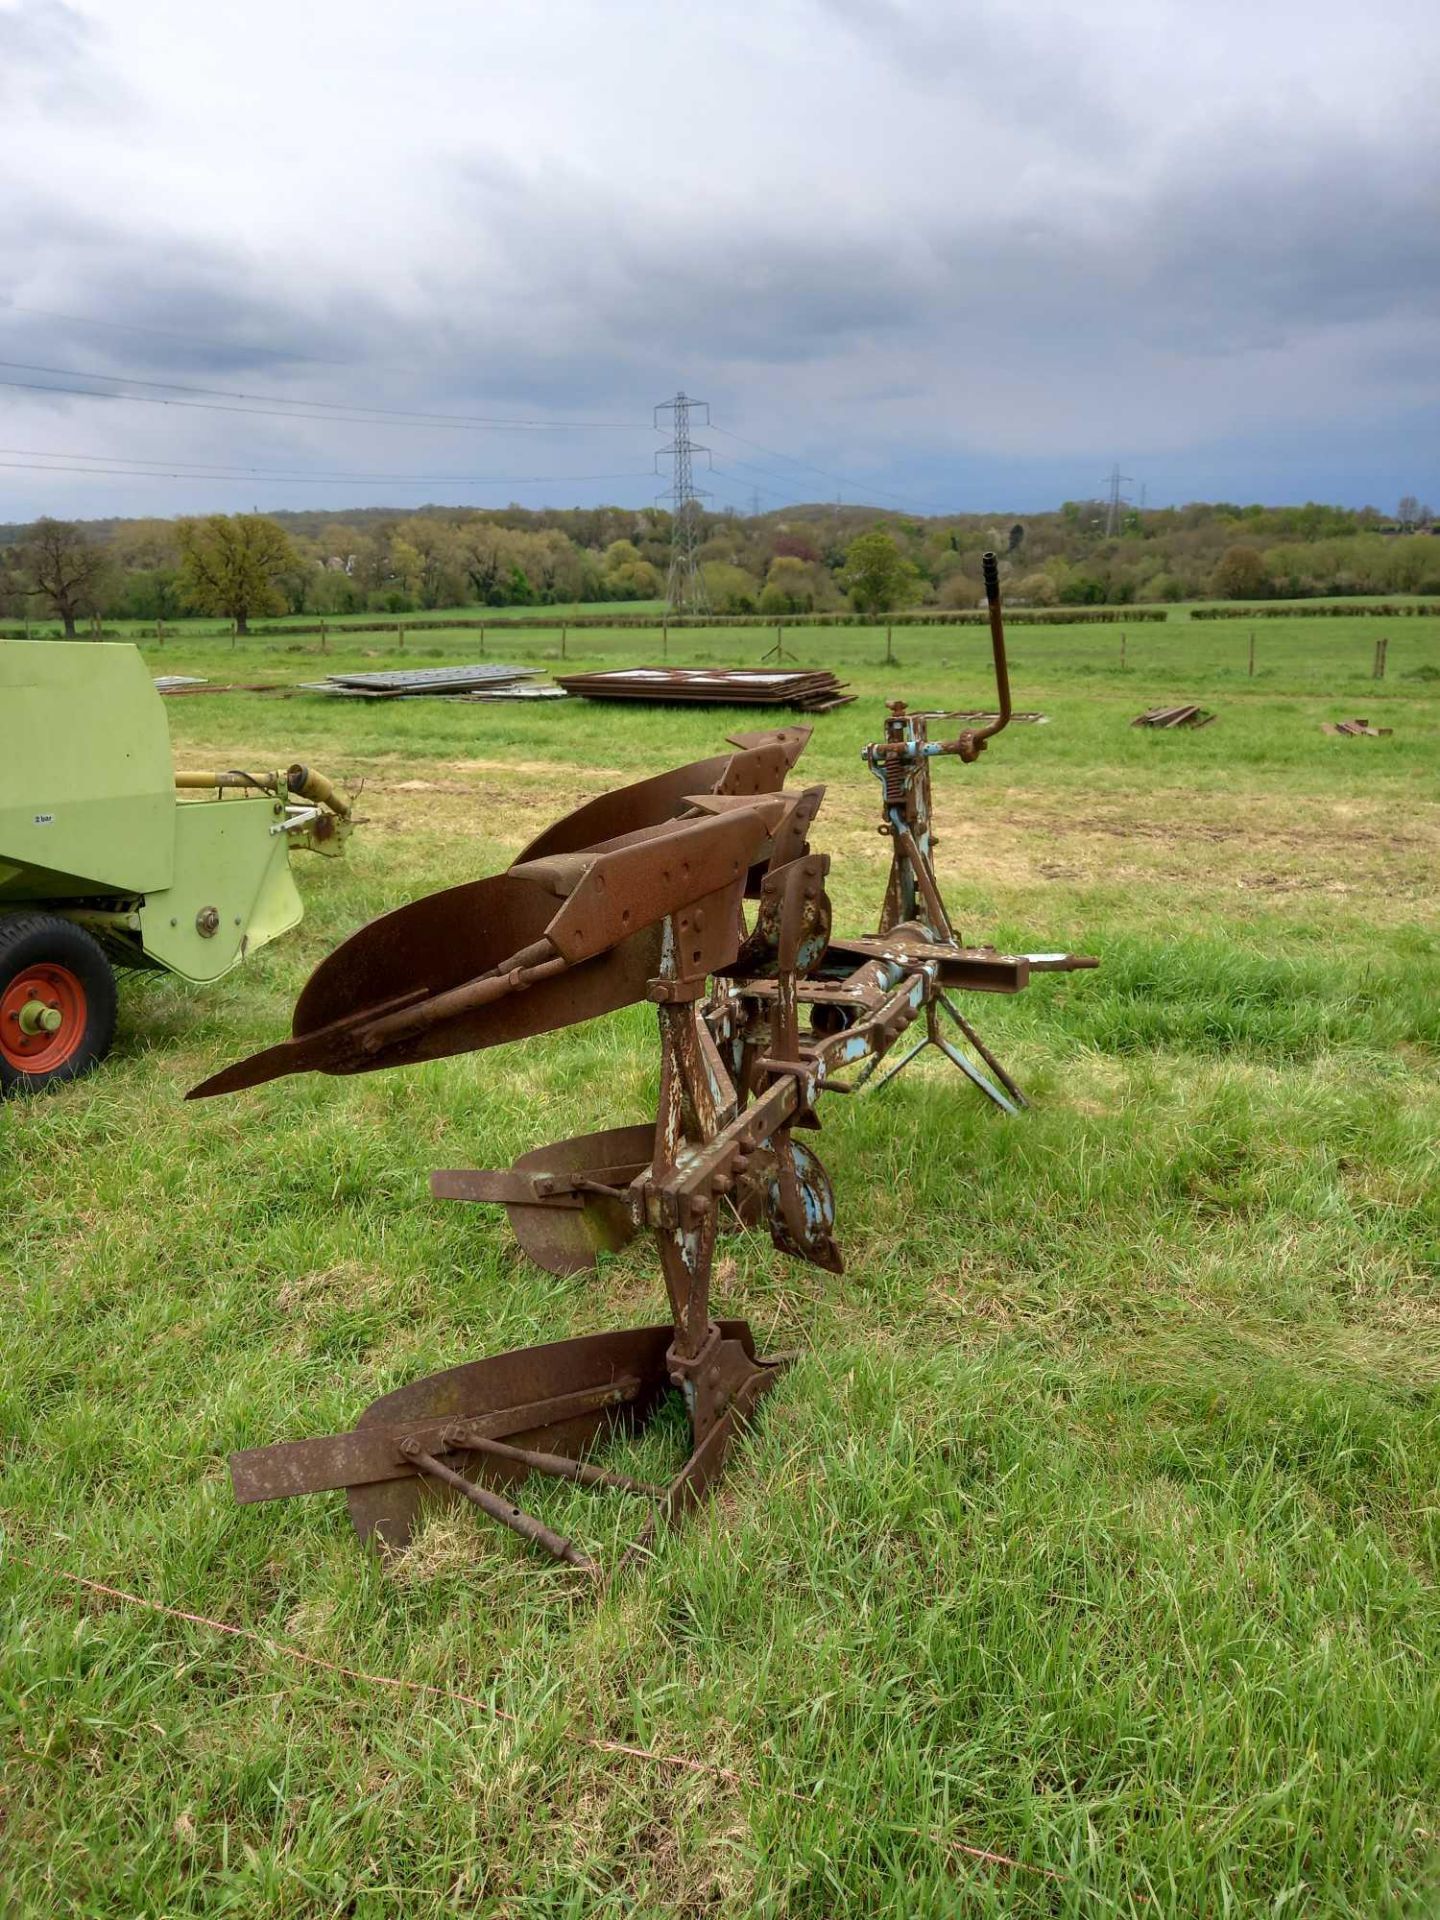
1252,654
399,636
234,632
482,639
324,638
889,646
564,630
665,640
1378,670
159,633
1122,650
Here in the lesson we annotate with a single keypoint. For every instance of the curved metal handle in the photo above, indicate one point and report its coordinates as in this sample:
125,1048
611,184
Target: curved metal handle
971,743
990,567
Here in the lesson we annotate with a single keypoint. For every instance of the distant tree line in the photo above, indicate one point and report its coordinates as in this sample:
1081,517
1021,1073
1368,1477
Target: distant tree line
799,560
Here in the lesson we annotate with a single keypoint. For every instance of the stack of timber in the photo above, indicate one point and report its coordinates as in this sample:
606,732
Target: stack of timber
1353,729
805,690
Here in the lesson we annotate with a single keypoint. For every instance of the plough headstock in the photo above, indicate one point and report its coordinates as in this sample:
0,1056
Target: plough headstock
640,894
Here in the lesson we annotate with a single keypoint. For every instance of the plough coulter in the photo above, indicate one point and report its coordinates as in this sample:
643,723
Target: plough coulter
641,895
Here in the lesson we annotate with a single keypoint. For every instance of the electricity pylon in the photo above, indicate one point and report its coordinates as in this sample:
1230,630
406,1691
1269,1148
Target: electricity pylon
685,587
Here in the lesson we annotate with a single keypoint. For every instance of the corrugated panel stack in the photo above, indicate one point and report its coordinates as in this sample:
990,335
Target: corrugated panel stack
805,690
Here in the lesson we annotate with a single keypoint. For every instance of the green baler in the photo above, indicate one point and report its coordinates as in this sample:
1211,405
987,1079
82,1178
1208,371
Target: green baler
108,856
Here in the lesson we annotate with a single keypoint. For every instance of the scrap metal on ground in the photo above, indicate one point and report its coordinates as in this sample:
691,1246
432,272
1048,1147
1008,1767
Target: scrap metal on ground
1353,728
108,856
1190,716
175,685
804,690
490,679
638,895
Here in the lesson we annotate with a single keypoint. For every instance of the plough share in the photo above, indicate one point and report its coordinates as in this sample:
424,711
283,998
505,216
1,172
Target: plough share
640,895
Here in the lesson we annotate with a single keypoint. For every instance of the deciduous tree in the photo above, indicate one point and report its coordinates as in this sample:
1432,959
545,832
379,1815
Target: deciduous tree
231,564
1241,574
60,563
877,575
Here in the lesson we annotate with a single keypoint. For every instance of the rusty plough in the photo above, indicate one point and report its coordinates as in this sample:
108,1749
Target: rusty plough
639,895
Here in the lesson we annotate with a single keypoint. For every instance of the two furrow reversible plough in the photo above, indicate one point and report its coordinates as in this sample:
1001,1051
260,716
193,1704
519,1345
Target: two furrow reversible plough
638,895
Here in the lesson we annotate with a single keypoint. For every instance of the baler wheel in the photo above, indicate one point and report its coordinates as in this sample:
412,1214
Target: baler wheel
57,1002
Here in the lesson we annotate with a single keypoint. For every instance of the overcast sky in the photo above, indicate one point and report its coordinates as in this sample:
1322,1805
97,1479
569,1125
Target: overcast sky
956,256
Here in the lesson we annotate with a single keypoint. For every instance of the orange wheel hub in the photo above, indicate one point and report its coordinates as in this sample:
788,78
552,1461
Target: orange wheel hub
42,1018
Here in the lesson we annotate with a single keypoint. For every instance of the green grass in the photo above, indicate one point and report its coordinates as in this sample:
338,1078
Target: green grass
1097,1526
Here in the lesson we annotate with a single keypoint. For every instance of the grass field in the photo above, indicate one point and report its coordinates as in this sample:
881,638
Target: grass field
1098,1528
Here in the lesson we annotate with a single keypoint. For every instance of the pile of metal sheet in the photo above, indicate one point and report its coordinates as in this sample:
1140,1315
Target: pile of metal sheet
805,690
1350,728
173,685
1173,717
491,680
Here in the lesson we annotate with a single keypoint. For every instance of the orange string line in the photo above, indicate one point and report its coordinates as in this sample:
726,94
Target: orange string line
681,1762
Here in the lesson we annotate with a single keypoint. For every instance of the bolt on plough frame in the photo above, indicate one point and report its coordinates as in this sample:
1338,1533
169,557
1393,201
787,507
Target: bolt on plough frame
639,895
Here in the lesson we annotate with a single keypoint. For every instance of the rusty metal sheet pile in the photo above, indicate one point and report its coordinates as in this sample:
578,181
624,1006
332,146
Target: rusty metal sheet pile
1190,716
408,683
699,891
805,690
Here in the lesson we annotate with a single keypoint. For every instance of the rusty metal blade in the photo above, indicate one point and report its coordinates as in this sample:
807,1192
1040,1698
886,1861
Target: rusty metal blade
386,1511
458,937
759,766
638,884
332,1462
563,1231
425,949
792,739
567,1240
707,1462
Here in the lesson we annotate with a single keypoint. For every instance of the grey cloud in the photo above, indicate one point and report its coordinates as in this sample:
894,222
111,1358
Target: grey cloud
1045,73
1148,274
49,59
166,304
1254,241
741,290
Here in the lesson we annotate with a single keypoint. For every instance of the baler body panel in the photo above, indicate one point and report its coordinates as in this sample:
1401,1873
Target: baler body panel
87,798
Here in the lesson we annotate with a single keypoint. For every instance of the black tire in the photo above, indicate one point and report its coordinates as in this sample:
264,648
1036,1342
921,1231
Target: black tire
43,946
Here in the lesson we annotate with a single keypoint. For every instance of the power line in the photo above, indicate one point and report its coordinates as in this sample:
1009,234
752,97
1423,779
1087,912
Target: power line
410,416
685,587
245,413
105,464
456,480
842,479
746,488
